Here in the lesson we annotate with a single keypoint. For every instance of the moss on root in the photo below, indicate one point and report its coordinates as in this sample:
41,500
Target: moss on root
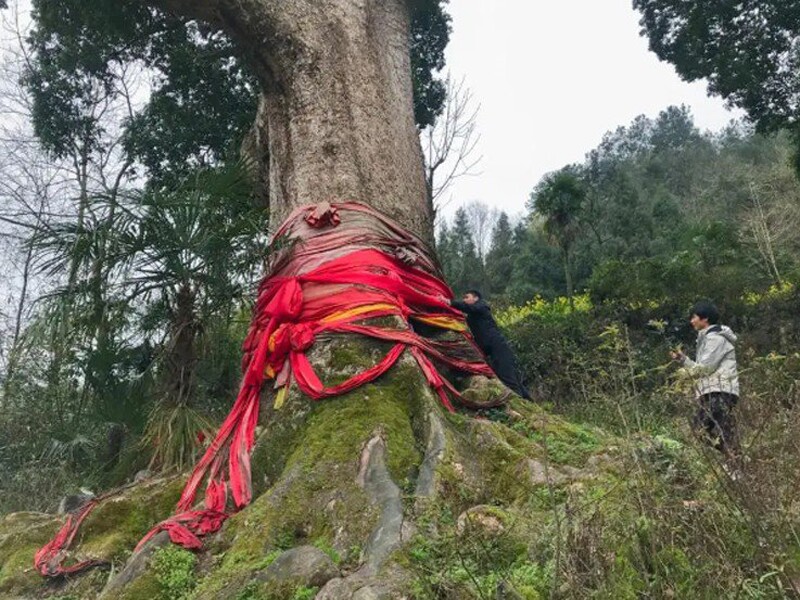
317,500
109,533
21,535
112,530
596,528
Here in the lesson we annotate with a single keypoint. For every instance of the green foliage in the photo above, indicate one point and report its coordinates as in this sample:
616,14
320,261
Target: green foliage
559,199
175,435
82,52
305,593
459,257
658,210
537,269
500,258
430,33
161,339
174,571
745,50
473,563
326,547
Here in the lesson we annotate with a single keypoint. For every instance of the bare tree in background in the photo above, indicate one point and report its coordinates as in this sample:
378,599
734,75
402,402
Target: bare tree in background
28,182
771,225
450,145
482,219
40,192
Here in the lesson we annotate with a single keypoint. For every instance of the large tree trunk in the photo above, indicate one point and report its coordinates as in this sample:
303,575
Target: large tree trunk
336,124
336,121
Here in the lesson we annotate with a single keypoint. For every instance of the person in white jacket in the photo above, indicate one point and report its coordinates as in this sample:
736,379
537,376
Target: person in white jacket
716,378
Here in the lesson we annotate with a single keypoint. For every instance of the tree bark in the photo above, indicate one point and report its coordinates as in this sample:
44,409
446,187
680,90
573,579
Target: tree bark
337,101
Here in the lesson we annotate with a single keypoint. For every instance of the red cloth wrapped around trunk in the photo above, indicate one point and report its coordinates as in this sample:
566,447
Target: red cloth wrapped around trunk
338,266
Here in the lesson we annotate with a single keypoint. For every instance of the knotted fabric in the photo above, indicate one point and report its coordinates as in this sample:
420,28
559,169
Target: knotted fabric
337,268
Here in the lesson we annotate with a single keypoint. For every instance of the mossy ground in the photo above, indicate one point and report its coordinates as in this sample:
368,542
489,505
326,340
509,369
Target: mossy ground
21,535
113,529
626,517
109,533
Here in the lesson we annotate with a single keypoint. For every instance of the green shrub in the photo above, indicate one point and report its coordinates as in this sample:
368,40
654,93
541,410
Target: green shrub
174,570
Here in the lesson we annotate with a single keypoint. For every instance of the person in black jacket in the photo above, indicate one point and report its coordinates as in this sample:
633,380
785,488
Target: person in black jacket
491,341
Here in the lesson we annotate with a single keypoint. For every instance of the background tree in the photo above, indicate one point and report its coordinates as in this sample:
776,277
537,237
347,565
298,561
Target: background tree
335,120
482,219
538,269
500,258
746,51
450,143
463,265
559,198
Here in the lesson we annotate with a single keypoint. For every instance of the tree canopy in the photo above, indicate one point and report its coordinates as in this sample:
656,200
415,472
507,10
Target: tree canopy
746,50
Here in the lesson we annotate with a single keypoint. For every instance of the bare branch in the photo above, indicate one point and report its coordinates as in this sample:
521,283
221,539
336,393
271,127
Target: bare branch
450,145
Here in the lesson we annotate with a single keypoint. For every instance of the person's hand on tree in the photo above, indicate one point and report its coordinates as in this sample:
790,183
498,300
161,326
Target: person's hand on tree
677,355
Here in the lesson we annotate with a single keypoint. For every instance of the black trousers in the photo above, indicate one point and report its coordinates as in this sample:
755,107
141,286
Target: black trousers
504,364
715,420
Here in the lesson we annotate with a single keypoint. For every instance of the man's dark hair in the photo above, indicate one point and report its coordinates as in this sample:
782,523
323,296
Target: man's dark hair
475,293
706,310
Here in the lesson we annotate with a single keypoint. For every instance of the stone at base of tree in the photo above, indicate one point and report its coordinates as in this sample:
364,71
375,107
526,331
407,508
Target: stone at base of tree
390,584
74,502
538,474
304,565
514,415
487,519
483,391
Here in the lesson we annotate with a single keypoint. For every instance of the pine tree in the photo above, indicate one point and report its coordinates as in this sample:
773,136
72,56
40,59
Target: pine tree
500,258
466,268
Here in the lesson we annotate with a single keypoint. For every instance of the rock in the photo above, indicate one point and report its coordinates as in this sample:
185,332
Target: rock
73,502
574,472
484,391
599,460
390,584
486,518
335,589
514,415
539,475
142,475
369,593
304,565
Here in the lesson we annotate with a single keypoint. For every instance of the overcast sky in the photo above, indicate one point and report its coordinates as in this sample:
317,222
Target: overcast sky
551,78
